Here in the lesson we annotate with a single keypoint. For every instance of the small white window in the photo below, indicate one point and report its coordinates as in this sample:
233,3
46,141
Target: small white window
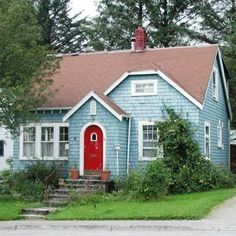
143,87
220,135
93,108
207,139
93,137
47,139
215,85
148,141
29,138
64,141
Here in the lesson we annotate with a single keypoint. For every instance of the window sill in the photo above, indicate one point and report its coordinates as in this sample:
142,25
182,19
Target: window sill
43,159
149,159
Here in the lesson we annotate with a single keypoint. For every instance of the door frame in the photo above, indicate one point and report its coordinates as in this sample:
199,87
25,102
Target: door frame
82,132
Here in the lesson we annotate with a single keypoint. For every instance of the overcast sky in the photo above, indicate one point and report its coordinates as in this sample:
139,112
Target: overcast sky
87,6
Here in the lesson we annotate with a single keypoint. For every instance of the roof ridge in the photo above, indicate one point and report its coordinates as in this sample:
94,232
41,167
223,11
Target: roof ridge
132,51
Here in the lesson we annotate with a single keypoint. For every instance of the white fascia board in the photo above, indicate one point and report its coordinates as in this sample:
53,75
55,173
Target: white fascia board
51,108
225,84
85,99
163,76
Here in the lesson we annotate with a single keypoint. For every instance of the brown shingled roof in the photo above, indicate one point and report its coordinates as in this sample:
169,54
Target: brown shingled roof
189,67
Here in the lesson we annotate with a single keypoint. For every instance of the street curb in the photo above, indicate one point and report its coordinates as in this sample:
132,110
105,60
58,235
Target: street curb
201,225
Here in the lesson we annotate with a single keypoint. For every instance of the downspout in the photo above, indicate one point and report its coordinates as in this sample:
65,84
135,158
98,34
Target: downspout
128,146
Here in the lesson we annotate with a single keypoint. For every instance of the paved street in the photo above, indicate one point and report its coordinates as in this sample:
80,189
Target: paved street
112,233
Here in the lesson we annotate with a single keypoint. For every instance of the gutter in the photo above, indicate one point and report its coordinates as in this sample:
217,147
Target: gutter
128,146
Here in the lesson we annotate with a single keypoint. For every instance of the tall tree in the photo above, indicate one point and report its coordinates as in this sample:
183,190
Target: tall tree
164,20
24,64
60,31
216,20
217,24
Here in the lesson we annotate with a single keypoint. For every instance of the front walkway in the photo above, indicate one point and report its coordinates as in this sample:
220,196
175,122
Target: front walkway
225,211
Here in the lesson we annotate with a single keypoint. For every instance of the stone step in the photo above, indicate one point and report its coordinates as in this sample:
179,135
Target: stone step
61,191
37,211
55,202
33,217
58,196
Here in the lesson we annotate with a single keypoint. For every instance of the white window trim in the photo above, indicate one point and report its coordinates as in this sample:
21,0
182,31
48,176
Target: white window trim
91,137
215,96
135,82
93,108
209,136
56,142
140,141
220,135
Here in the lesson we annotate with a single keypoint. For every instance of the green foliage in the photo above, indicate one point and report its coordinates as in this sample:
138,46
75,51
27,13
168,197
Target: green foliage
29,183
150,182
164,21
59,30
24,65
190,171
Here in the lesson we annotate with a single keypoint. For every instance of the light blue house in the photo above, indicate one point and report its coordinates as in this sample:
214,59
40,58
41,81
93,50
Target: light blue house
103,115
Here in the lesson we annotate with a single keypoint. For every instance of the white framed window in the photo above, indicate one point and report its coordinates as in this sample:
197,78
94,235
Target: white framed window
220,134
207,139
143,87
148,141
64,142
29,140
215,85
93,137
47,141
93,108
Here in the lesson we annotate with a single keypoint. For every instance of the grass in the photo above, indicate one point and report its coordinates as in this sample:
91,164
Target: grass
184,206
10,209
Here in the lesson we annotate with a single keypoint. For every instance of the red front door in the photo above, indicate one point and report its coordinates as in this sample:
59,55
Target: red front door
93,148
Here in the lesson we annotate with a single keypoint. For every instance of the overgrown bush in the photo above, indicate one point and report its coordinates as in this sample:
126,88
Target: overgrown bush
190,171
30,182
150,182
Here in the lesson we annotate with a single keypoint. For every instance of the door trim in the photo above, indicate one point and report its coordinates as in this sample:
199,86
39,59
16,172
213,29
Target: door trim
82,132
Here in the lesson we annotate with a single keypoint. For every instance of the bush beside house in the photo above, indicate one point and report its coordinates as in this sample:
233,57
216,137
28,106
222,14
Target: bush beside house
182,170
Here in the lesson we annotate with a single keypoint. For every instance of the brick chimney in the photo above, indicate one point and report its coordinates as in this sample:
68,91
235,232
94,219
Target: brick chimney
140,39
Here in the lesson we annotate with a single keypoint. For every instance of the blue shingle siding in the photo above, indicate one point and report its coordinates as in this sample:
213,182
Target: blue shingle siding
116,134
44,117
212,112
150,108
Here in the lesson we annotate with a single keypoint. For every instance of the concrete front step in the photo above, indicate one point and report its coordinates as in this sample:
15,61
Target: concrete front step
33,217
55,202
36,213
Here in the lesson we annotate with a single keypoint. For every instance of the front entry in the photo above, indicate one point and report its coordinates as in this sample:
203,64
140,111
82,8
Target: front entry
93,149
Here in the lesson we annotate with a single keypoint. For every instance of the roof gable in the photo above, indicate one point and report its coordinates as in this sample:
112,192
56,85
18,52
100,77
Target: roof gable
104,101
187,67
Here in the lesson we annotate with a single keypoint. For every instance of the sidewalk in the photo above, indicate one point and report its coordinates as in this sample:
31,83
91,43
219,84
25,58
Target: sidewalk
174,225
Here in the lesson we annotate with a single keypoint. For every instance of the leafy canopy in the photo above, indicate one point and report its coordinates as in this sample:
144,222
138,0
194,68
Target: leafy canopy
24,64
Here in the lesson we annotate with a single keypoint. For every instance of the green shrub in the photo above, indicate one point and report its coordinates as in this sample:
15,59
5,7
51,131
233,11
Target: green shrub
190,171
30,182
150,182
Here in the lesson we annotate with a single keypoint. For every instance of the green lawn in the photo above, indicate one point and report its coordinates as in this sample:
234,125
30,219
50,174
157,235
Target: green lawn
184,206
11,209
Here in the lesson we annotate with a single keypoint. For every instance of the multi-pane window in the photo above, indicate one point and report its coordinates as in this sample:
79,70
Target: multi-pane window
29,138
148,141
207,139
64,142
143,87
220,134
45,141
47,138
215,85
1,148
